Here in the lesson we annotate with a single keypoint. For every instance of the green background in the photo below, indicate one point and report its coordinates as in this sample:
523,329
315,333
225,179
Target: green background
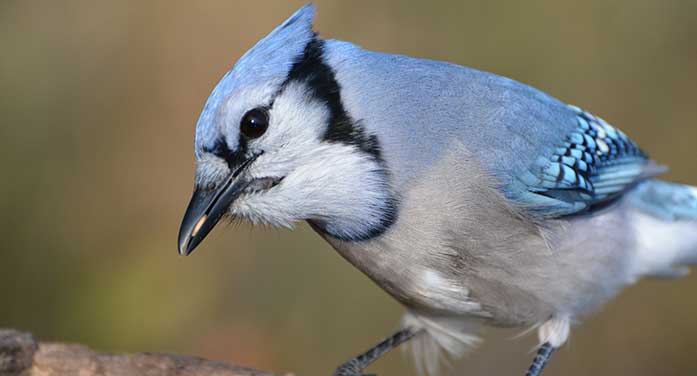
98,102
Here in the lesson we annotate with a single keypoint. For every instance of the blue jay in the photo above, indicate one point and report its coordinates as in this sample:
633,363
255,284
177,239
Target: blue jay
470,198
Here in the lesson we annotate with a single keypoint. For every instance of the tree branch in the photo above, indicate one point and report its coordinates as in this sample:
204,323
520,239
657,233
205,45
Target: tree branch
22,355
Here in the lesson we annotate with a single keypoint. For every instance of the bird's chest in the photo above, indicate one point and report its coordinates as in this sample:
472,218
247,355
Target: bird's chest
415,281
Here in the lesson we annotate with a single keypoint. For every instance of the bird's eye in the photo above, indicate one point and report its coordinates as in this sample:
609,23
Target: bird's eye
254,123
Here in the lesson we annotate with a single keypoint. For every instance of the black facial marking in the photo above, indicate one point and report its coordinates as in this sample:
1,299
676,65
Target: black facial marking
389,217
311,69
221,150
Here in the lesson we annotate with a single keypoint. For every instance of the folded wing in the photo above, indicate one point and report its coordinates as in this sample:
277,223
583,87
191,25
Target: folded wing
594,165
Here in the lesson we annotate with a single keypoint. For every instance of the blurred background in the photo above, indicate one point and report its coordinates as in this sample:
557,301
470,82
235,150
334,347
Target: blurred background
98,102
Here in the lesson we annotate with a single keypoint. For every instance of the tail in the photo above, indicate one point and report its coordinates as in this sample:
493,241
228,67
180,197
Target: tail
666,227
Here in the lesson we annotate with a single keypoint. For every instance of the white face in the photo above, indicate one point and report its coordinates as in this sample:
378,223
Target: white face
298,175
311,160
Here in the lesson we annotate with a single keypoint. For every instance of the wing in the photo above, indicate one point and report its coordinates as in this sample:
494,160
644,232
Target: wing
595,164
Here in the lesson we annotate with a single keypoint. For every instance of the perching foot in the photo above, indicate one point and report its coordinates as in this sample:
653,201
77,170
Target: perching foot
538,364
355,366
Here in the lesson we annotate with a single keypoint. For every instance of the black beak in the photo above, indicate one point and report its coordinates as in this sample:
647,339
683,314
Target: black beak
208,206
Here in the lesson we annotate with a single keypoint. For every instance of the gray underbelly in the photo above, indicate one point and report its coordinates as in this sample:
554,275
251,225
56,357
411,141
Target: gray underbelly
520,286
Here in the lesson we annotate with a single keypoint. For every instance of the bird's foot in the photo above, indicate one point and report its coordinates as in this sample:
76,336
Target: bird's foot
538,364
351,368
355,366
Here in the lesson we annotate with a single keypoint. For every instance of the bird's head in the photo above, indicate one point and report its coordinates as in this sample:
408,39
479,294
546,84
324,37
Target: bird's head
275,144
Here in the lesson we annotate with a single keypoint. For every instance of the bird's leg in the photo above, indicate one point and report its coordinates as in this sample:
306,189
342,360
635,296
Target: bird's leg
538,364
355,366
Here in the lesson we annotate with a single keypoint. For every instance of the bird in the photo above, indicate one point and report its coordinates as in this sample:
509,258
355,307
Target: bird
472,199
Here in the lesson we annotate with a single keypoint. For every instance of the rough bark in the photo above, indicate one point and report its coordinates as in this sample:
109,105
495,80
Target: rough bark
22,355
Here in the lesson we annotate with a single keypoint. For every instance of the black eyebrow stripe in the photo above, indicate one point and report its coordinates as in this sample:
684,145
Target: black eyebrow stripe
311,69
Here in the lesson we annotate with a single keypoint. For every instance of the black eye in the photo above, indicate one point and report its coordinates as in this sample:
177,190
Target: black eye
254,123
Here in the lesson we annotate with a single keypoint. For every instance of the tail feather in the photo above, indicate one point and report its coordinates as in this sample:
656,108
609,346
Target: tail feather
666,226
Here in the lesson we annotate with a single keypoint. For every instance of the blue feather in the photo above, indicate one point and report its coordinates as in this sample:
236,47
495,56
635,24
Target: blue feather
595,163
664,200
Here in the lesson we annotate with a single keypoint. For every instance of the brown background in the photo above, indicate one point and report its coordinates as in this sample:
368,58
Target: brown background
98,102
